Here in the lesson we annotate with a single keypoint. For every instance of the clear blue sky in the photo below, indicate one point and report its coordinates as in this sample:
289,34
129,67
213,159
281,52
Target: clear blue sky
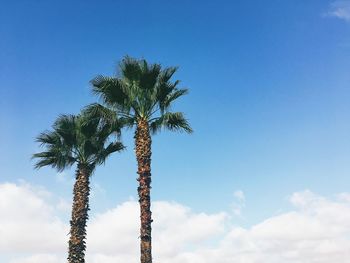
269,95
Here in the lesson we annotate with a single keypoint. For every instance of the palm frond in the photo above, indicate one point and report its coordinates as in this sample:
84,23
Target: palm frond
110,91
175,94
55,158
128,122
98,111
48,137
130,69
149,77
107,119
65,127
167,74
107,151
172,121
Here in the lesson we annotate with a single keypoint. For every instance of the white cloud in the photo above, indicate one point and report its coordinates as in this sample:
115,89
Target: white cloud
315,231
344,197
27,222
340,9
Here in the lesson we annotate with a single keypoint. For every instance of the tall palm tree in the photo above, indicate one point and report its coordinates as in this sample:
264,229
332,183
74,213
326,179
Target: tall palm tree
141,97
77,140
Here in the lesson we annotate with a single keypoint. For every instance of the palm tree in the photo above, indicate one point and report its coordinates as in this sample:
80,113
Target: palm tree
141,97
77,140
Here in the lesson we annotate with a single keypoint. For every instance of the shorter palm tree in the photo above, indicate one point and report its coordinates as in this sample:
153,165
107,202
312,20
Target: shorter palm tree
82,141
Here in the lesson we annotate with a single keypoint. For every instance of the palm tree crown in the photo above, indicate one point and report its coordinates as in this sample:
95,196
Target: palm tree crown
75,139
142,92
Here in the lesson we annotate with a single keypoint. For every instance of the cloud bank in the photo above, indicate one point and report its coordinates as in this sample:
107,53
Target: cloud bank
315,231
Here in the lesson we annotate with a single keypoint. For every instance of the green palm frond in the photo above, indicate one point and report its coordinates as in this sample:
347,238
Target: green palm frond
127,122
56,155
48,137
149,77
175,94
98,111
111,91
65,127
130,69
171,121
105,152
107,118
167,74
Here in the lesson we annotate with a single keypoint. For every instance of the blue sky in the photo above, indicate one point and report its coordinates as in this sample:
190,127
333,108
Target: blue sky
269,95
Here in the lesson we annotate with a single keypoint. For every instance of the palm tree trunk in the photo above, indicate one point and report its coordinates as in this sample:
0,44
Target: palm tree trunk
76,250
143,155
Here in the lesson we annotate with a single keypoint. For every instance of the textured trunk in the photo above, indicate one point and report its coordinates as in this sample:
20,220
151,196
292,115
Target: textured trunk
76,251
143,155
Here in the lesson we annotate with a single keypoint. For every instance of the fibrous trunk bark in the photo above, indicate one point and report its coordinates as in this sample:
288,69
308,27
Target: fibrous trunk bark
81,191
143,156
